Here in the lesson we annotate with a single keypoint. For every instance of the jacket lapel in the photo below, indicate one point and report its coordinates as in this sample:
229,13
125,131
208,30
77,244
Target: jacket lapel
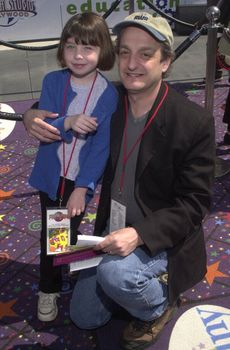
117,128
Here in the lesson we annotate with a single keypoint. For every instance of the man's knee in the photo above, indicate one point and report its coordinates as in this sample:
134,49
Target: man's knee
82,319
112,277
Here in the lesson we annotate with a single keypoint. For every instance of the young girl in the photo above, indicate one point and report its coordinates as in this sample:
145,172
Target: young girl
66,173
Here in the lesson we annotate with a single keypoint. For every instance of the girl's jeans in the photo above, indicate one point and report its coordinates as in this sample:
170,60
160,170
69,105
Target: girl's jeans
129,282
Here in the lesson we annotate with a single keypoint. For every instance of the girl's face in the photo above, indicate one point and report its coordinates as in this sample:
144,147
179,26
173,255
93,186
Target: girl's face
81,59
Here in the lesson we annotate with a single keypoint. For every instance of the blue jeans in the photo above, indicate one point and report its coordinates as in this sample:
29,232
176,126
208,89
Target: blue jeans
129,282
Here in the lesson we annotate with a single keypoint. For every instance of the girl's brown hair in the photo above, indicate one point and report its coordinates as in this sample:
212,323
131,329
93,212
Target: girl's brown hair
88,28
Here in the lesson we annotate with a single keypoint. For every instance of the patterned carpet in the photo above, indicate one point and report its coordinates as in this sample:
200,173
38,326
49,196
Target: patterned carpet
19,257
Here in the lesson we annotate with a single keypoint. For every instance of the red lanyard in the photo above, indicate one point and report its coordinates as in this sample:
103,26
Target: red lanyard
65,169
126,155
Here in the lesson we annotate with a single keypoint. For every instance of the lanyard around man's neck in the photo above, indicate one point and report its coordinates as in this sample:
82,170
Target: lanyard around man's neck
126,155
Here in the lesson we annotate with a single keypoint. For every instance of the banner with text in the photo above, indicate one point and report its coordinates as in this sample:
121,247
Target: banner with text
32,20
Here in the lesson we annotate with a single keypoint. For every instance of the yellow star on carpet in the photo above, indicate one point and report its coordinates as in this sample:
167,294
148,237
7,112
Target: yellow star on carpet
2,147
213,272
6,309
1,217
90,217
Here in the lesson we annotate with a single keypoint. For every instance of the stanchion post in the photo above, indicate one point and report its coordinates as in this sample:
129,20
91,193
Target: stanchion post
222,166
213,14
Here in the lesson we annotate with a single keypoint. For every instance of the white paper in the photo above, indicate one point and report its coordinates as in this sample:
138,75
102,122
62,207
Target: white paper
86,241
117,216
84,264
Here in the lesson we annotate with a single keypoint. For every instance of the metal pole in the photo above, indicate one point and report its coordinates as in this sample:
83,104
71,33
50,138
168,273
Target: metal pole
222,166
213,14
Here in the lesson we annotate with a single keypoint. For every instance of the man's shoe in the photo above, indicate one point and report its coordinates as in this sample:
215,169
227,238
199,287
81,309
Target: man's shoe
227,139
139,335
47,306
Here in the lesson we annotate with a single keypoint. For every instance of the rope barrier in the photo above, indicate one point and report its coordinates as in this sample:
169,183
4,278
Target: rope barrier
111,9
11,116
28,48
106,14
54,46
170,18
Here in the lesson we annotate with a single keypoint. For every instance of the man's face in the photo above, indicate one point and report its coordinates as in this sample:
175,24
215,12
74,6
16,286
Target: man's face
139,61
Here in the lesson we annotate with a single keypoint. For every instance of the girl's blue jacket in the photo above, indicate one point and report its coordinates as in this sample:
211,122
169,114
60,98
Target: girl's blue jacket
45,175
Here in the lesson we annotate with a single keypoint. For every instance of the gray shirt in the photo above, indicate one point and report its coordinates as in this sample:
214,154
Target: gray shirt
126,197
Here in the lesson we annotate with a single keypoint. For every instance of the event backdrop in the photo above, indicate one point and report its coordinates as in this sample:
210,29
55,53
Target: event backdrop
28,20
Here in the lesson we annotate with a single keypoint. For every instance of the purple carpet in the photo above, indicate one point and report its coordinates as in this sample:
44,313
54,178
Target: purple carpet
19,258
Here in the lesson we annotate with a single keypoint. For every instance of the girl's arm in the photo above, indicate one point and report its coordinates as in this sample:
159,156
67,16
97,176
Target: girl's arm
81,123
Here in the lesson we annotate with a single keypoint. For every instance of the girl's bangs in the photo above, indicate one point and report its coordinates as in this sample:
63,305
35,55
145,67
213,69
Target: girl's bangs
85,36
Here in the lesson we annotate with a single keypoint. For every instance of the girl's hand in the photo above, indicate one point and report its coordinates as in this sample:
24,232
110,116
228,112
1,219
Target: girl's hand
76,202
81,123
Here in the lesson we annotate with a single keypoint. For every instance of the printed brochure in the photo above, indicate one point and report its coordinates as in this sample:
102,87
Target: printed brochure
83,255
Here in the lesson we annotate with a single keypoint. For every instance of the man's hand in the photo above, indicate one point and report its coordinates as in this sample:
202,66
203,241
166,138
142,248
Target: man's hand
121,242
33,120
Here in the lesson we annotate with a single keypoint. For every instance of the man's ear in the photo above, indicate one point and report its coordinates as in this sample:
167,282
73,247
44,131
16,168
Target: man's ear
165,65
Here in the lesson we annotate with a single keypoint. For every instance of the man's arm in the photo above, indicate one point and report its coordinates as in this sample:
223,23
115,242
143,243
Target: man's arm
35,125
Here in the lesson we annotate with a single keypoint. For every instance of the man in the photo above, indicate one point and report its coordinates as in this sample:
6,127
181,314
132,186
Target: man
155,193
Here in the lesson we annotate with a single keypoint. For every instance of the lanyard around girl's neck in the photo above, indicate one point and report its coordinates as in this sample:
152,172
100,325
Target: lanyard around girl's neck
126,155
66,168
